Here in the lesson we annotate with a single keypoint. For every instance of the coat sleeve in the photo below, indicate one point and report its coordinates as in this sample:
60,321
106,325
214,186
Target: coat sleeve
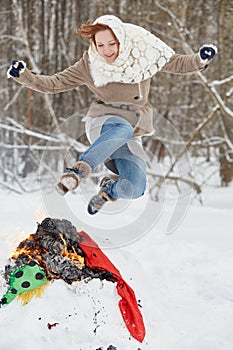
68,79
184,64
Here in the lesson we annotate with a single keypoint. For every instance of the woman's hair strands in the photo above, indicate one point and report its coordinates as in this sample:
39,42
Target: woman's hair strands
88,31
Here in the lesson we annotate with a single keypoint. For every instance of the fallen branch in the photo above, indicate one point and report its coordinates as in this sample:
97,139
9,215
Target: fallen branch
6,185
192,184
14,177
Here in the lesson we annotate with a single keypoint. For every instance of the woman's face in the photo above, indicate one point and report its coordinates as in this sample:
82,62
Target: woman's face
106,44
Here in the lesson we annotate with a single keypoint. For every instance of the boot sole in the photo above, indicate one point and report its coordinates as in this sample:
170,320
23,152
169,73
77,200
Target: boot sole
68,182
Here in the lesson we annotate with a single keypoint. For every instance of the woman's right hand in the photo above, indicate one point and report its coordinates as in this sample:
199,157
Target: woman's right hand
16,68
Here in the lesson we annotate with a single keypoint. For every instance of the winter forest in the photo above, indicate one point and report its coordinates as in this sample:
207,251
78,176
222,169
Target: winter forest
193,114
166,279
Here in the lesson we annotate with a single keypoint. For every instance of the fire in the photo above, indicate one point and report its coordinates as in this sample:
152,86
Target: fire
19,234
73,256
57,253
29,249
53,252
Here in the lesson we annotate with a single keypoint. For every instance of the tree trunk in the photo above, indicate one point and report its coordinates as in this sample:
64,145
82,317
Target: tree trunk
226,54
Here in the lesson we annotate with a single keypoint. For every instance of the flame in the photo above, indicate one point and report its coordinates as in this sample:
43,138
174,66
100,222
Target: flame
74,257
19,235
33,251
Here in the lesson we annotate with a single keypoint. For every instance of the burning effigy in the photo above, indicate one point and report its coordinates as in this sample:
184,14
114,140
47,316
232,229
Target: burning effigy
57,251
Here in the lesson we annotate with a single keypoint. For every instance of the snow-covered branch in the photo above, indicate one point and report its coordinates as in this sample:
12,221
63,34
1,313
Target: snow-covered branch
169,172
60,138
229,92
33,147
13,38
228,142
161,178
29,133
31,58
210,87
221,82
216,96
9,187
194,135
14,98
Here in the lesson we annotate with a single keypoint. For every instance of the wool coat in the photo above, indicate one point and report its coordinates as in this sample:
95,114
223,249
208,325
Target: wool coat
127,100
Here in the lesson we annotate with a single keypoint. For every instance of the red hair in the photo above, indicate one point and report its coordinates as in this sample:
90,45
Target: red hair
88,31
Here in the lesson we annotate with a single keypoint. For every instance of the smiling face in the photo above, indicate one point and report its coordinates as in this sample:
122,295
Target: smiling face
107,45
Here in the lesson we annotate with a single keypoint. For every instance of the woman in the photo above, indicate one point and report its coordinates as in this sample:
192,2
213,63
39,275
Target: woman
118,67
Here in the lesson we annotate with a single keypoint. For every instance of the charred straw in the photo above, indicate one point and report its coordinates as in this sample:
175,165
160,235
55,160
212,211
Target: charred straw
46,247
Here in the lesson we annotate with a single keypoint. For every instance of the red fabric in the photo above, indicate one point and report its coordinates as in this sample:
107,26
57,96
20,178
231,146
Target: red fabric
131,314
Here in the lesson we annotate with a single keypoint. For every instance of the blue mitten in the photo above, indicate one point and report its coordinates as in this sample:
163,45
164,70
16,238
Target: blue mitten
16,68
207,52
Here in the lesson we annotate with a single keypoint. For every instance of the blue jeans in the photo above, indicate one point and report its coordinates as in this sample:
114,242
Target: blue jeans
112,143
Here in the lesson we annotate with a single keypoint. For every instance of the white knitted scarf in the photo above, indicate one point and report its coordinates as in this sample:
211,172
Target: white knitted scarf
141,54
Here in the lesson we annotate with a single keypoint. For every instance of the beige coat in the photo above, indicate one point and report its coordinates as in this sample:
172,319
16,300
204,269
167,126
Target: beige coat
129,101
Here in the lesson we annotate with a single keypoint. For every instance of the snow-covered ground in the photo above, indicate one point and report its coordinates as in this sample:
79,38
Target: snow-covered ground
183,280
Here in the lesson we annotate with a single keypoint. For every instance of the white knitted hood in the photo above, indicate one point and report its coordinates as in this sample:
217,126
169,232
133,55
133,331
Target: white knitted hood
141,54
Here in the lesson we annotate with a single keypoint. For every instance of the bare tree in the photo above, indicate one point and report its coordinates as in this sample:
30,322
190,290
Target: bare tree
42,33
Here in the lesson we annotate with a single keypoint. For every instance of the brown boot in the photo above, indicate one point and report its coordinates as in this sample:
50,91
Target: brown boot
70,179
97,201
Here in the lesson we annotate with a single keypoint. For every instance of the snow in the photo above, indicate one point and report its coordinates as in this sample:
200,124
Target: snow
183,280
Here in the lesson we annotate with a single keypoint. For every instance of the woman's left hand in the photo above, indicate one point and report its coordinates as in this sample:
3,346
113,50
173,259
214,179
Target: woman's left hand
207,52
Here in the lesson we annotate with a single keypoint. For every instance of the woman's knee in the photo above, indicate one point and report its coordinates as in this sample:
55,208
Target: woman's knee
121,127
133,188
139,188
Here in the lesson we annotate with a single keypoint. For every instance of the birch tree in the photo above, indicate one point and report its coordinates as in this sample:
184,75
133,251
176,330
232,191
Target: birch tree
42,33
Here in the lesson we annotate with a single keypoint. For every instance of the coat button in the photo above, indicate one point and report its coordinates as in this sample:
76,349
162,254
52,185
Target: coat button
136,97
138,115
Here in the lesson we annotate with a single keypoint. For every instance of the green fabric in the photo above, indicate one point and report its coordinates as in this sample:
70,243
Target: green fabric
24,279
